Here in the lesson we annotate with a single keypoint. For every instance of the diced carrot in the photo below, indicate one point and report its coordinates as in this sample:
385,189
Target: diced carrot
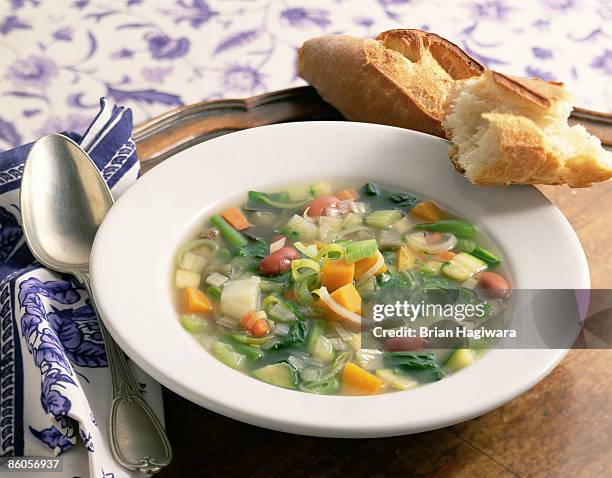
366,264
248,320
356,380
408,258
429,210
260,328
235,217
336,273
347,194
346,296
196,301
443,256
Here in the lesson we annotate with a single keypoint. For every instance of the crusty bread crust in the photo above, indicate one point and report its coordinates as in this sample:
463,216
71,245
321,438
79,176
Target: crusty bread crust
413,44
400,79
535,91
516,149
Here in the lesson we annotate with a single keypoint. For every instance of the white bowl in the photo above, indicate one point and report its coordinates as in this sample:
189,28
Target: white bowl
132,263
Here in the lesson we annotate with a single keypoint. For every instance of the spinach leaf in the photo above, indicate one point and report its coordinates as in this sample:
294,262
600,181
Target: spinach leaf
421,366
380,198
258,249
410,360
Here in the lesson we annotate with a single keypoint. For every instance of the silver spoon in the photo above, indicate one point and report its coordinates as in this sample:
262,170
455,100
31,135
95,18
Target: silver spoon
63,201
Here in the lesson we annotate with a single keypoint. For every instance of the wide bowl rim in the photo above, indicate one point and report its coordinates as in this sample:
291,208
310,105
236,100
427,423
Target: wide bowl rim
123,230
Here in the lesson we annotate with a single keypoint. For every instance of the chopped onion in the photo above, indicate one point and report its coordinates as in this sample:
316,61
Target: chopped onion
332,223
351,230
350,317
359,207
295,362
344,334
277,245
418,240
306,229
370,359
310,374
338,210
403,225
326,234
216,279
281,329
338,343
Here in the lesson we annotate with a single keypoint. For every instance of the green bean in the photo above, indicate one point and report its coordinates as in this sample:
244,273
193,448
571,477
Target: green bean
453,226
486,256
234,238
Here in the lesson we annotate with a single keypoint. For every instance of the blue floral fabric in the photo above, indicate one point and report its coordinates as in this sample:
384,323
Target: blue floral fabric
54,378
58,57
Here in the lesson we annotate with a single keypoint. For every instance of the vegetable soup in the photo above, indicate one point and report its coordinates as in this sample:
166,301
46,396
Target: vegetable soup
304,288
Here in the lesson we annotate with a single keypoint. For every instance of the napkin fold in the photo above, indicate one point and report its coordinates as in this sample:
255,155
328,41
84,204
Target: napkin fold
55,388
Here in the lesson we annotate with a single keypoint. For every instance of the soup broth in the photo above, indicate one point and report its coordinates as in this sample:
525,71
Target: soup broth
314,287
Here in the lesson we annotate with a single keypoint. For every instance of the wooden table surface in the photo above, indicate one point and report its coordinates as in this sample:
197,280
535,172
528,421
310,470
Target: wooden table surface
562,427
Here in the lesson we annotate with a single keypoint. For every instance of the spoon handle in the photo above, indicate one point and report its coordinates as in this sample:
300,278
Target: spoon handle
137,438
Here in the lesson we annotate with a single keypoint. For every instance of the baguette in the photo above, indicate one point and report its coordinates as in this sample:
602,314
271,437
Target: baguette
400,79
503,129
509,130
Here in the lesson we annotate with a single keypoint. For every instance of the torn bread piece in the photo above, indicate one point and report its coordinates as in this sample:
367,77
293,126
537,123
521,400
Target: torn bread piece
400,79
510,130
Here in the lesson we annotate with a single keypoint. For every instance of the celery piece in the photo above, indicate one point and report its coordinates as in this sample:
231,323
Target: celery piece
194,324
383,219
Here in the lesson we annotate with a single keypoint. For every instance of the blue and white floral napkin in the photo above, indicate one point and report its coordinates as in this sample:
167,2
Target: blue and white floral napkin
55,389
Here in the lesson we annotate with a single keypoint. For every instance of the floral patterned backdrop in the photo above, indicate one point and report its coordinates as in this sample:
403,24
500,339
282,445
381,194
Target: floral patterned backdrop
57,57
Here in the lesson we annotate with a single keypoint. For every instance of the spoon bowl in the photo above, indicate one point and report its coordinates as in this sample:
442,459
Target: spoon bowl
63,199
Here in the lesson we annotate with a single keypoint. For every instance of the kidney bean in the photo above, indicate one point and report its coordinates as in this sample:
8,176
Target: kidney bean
495,284
400,344
319,206
278,262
